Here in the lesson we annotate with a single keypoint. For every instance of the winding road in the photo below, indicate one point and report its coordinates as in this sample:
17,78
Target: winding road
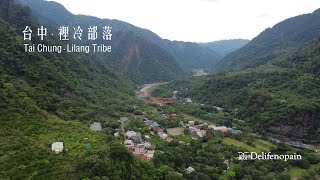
146,89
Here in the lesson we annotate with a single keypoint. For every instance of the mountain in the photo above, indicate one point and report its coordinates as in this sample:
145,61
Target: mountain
138,58
50,97
276,42
141,60
192,55
188,55
305,59
61,84
224,47
281,99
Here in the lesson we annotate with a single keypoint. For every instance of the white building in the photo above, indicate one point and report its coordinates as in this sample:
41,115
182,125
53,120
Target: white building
191,123
190,169
163,135
217,128
96,126
150,154
57,147
128,143
188,100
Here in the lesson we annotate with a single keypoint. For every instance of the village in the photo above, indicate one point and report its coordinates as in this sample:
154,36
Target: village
148,134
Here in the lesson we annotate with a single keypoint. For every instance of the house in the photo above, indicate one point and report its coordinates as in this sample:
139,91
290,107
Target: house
190,169
57,147
128,143
151,124
188,100
116,134
96,126
135,136
192,130
219,109
202,125
163,135
141,150
181,142
175,94
191,123
172,115
130,134
224,130
169,139
234,131
201,133
150,154
219,128
154,125
147,144
226,162
147,122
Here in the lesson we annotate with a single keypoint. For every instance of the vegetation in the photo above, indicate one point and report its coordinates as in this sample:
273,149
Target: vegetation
273,43
269,99
233,142
47,97
224,47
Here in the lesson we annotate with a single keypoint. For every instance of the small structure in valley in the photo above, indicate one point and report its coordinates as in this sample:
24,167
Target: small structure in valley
96,126
163,135
134,136
190,169
188,100
57,147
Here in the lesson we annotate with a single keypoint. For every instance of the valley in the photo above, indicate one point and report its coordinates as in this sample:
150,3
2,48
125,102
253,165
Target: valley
174,127
154,108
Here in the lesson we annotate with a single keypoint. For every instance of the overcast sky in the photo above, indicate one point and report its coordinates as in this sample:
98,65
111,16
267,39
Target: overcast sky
196,20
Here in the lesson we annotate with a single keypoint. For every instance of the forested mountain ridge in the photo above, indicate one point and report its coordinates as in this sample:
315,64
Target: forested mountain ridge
192,55
224,47
276,42
141,60
188,55
161,64
282,99
50,97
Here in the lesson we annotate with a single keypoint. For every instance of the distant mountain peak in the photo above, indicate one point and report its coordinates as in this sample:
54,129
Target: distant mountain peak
316,11
224,47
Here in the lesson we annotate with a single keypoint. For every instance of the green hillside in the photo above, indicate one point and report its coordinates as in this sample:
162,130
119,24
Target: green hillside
224,47
273,43
284,100
47,97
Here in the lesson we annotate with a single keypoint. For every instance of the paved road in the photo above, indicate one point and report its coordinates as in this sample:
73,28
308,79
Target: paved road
146,89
